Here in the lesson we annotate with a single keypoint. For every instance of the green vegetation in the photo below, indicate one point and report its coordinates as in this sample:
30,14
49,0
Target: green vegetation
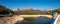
30,12
16,13
57,10
3,8
29,19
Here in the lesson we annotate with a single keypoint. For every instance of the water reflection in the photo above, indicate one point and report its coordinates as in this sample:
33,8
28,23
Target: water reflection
39,20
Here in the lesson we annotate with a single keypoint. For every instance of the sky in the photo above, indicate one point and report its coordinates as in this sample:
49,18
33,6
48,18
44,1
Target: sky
40,4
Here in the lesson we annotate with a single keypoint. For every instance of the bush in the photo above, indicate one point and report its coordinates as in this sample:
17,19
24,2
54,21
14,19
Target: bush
5,10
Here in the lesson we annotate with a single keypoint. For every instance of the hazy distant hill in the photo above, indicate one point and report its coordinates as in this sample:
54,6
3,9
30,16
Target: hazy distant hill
31,11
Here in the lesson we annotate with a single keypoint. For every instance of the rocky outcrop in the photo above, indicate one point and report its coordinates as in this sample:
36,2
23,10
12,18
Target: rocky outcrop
10,20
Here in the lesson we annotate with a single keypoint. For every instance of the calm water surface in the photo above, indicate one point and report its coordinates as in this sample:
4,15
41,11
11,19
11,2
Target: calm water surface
39,20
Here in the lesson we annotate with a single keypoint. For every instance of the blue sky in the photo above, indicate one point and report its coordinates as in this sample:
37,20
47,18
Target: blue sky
40,4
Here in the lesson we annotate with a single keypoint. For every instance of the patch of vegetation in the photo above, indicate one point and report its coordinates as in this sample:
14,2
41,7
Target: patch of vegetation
30,12
29,19
4,9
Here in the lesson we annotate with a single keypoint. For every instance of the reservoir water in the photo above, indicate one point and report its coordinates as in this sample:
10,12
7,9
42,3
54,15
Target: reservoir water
39,20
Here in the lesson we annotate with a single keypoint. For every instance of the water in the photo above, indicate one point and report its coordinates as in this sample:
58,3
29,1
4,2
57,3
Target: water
27,22
39,20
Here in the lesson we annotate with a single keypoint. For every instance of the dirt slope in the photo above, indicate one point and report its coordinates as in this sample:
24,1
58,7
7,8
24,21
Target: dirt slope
58,22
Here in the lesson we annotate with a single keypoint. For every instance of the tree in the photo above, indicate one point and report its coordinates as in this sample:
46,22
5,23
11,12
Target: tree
56,10
5,10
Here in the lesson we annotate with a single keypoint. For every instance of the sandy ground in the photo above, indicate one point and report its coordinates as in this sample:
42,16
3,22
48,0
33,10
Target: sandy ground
58,22
10,20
